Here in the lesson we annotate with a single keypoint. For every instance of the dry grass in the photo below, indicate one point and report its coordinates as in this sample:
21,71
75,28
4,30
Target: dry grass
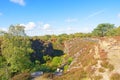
115,76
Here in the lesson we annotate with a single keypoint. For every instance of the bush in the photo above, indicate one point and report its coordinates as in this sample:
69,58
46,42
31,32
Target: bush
99,77
111,67
42,67
66,67
105,64
70,60
101,70
56,61
115,76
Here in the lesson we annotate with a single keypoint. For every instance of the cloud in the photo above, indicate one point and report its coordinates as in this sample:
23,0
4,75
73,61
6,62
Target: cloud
29,25
20,2
95,14
1,14
47,27
119,15
70,20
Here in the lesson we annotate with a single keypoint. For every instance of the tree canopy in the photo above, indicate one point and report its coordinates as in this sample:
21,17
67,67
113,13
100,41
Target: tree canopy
102,29
17,30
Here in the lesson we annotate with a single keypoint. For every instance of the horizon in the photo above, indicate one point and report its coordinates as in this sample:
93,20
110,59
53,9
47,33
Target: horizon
48,17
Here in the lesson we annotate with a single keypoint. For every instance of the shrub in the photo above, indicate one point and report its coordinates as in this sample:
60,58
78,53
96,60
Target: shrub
56,61
70,60
106,64
115,76
66,67
99,77
101,70
111,67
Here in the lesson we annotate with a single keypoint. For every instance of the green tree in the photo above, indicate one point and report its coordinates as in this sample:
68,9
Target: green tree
16,51
102,29
2,32
17,30
114,32
4,72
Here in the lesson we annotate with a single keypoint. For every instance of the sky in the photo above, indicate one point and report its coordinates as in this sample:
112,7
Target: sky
43,17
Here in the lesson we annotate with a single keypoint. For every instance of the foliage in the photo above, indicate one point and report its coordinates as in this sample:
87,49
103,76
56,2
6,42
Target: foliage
56,61
70,59
101,70
42,67
47,58
66,67
115,76
4,75
102,29
106,64
16,51
114,32
98,77
16,30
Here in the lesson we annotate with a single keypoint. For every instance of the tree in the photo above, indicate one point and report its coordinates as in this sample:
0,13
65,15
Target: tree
17,30
114,32
102,29
16,50
2,32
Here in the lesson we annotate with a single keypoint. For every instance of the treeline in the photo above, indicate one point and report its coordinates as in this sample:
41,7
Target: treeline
102,30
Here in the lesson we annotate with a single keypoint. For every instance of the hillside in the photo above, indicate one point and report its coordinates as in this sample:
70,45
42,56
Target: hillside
93,59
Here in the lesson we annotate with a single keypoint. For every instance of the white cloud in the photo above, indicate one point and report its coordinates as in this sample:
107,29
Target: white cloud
69,20
1,14
47,27
20,2
29,25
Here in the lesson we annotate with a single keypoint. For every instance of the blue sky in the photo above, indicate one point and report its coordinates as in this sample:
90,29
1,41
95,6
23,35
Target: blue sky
41,17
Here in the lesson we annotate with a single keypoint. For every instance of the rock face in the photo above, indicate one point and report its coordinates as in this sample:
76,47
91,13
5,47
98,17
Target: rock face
93,59
41,48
